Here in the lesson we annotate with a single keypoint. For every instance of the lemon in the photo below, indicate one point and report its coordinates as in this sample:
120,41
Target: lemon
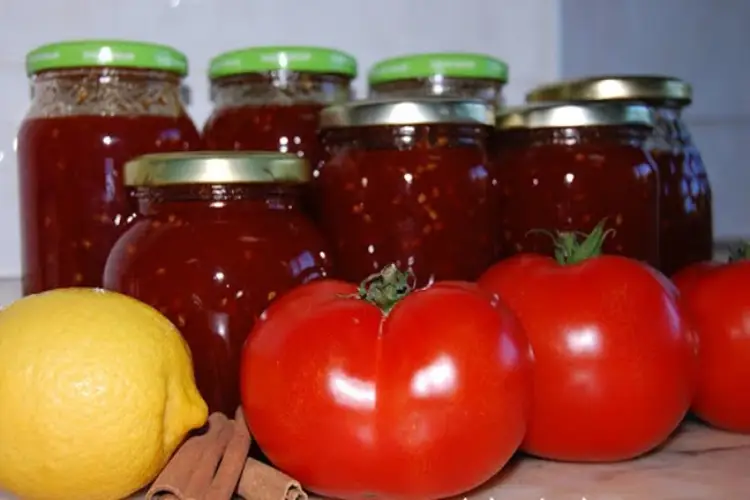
96,392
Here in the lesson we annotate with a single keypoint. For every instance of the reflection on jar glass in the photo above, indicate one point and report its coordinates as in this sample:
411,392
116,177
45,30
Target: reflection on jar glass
219,236
686,220
445,74
87,118
407,182
566,167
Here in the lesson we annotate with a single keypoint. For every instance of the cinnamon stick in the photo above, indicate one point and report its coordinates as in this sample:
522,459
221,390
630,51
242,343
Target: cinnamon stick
214,465
230,468
190,472
262,482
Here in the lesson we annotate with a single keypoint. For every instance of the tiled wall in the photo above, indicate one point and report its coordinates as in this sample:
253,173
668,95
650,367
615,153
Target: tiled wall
524,32
704,41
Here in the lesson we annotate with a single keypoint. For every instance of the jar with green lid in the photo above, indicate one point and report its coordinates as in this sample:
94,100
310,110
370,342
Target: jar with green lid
96,104
461,75
686,215
269,98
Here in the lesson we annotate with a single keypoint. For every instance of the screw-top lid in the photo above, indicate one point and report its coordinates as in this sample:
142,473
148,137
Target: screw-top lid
106,53
615,88
303,59
447,64
416,111
570,115
216,167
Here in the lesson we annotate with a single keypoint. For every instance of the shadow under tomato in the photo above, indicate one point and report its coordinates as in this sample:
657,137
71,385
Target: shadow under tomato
257,454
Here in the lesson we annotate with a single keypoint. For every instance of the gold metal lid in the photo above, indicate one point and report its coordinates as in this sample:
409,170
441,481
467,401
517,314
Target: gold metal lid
216,167
563,115
616,88
412,111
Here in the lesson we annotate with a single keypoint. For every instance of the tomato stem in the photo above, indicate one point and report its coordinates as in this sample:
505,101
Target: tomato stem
386,288
570,250
740,252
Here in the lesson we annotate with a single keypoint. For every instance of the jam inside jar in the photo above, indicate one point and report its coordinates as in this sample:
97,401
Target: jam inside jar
269,98
86,120
446,74
686,205
407,182
685,199
219,237
566,168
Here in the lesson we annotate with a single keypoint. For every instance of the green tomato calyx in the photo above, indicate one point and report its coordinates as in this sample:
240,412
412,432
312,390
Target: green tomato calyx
386,288
740,252
570,249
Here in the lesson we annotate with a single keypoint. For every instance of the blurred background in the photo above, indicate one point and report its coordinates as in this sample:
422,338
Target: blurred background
703,41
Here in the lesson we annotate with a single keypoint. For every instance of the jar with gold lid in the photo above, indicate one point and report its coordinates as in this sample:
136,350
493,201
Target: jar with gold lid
218,237
686,220
407,182
567,167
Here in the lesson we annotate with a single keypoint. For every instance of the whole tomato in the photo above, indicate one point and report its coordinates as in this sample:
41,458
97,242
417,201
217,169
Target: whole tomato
613,359
718,304
384,391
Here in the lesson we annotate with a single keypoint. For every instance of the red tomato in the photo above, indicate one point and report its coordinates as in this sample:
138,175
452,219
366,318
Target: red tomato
690,275
426,400
719,307
613,361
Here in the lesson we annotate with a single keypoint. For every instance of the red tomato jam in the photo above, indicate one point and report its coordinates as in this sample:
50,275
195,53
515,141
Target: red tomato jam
566,167
218,237
83,125
686,219
269,98
686,205
407,182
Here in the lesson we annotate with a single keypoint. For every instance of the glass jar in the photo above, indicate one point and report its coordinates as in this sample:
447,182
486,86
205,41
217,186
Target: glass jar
685,195
269,98
218,237
407,182
96,104
566,167
458,75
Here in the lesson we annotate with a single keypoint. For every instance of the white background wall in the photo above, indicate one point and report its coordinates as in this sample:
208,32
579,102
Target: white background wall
707,42
703,40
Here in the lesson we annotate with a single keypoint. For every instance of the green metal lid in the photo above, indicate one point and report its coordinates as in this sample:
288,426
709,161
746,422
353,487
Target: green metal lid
455,64
108,53
305,59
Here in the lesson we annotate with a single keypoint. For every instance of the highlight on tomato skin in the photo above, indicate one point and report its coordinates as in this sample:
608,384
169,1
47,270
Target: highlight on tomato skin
716,297
384,390
614,361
